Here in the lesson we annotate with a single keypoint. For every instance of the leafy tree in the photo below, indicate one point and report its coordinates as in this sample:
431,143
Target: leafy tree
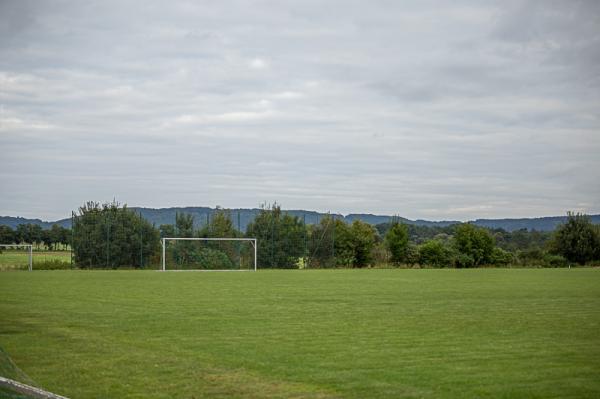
354,244
396,240
381,254
344,244
474,245
520,240
184,252
62,235
418,234
167,230
530,257
550,260
501,257
206,254
7,235
464,260
436,253
578,240
280,237
184,225
110,236
321,241
213,259
412,254
29,233
364,236
220,226
48,240
54,236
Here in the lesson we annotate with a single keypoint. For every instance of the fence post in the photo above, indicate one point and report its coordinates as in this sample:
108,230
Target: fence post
141,225
333,242
107,238
304,236
72,235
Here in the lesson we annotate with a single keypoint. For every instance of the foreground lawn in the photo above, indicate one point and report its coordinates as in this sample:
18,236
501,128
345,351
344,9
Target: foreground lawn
325,333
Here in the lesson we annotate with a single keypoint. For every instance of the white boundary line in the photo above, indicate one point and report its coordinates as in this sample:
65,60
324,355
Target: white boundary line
28,390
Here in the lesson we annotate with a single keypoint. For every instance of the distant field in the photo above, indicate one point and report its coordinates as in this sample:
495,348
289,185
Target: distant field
488,333
11,259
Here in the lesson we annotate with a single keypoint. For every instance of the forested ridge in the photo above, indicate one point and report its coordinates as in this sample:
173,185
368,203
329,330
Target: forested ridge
242,217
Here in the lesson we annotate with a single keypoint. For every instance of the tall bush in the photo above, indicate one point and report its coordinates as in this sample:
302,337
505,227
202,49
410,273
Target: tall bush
474,245
110,236
578,240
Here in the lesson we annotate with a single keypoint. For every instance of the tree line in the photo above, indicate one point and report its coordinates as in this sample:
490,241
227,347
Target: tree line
463,245
52,239
110,235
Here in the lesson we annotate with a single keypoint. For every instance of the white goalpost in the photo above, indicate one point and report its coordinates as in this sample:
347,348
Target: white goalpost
29,252
250,255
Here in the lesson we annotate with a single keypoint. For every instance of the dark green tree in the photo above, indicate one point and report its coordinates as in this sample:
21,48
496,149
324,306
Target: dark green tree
396,240
280,238
436,253
344,244
7,235
364,236
220,226
500,257
320,245
474,245
236,252
167,230
354,244
578,240
184,252
184,225
29,233
212,259
53,236
110,236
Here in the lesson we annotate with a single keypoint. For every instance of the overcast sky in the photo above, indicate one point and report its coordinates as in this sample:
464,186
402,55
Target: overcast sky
426,109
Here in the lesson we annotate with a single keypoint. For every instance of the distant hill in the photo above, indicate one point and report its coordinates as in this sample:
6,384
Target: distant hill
13,222
242,217
541,224
378,219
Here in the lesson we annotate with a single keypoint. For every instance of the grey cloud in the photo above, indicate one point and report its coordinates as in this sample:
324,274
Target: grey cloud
458,110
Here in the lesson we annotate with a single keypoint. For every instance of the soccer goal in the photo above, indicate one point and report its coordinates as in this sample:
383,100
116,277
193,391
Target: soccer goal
16,256
216,254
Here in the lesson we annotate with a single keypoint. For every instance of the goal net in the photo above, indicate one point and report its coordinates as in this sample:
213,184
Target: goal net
16,257
218,254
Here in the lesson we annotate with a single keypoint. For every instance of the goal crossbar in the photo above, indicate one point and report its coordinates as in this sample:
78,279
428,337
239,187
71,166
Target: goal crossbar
30,246
164,240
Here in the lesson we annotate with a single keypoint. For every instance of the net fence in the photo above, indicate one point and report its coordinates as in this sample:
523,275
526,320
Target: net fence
114,237
283,241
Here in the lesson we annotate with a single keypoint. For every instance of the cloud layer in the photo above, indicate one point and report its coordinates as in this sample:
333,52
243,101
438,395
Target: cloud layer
441,111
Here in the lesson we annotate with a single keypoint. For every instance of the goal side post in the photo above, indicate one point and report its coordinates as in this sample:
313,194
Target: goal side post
252,241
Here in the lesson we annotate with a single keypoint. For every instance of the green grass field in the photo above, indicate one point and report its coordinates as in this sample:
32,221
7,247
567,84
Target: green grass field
497,333
19,259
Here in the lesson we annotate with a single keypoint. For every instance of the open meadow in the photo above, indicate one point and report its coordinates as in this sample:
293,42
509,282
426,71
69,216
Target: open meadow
526,333
19,259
